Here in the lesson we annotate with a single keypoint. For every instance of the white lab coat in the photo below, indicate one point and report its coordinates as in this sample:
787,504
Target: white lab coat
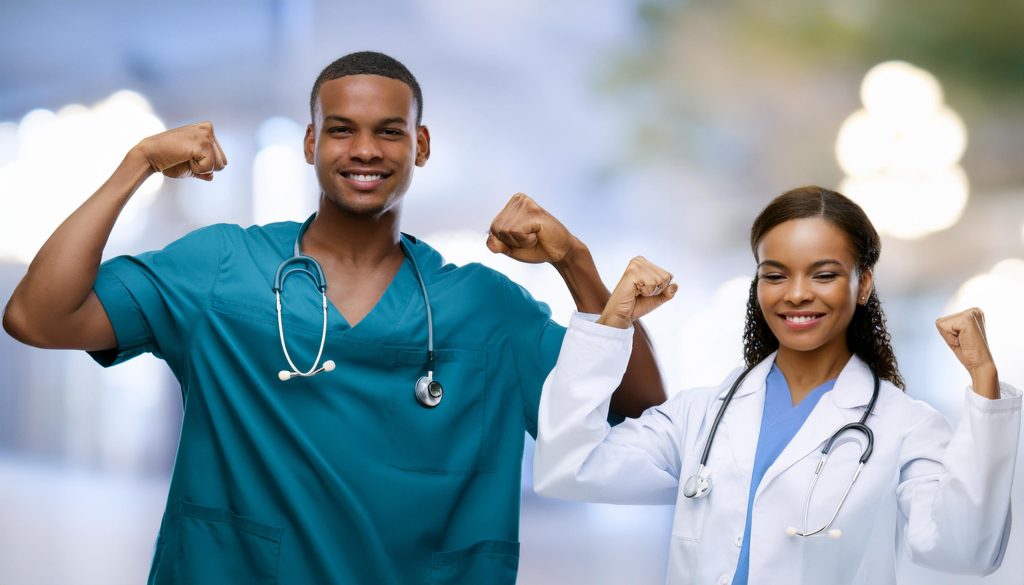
942,495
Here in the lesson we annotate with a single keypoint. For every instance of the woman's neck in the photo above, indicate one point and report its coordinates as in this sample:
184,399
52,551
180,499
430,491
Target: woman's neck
806,370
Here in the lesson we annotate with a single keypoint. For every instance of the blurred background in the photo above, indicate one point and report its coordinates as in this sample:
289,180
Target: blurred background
649,127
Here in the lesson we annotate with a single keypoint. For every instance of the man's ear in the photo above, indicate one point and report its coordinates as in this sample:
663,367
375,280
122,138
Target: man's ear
309,142
422,145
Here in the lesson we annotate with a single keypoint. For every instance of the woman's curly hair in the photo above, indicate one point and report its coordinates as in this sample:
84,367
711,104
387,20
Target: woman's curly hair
866,336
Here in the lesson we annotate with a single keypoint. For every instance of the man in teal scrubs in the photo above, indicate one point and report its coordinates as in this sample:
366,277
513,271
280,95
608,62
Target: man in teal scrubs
340,477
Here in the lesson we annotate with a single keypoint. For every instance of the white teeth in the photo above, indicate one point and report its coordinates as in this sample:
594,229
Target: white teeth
366,178
800,318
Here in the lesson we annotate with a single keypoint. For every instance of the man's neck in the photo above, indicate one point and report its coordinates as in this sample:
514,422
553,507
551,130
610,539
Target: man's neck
356,240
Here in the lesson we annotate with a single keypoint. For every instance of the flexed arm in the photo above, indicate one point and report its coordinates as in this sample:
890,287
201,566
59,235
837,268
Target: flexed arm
579,456
54,306
954,490
525,231
964,333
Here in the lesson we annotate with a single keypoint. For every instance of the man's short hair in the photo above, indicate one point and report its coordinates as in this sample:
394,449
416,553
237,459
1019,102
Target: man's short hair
368,63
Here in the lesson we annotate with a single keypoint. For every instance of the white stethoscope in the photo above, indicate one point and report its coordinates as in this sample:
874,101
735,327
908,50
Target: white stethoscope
699,484
428,390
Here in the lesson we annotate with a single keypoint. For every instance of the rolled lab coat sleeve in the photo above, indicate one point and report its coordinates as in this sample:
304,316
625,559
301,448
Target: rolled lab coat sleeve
579,455
954,491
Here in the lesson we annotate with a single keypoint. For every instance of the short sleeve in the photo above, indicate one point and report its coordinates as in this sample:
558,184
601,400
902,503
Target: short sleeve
154,299
536,340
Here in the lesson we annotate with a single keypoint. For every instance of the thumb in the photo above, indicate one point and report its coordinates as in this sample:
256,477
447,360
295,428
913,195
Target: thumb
645,305
497,246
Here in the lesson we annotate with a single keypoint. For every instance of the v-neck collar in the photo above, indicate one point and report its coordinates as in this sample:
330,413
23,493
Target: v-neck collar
778,403
383,317
387,313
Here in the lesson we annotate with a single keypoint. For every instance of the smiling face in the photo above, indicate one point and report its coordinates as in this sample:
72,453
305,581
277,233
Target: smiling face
808,284
364,143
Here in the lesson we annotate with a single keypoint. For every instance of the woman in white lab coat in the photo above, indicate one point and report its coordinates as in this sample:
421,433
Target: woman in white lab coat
815,344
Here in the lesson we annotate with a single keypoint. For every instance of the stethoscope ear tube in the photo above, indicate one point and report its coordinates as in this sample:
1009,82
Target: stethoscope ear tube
313,370
428,391
317,275
860,426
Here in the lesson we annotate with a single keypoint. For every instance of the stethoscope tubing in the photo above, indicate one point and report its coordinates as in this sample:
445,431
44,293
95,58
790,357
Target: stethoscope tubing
699,485
284,347
320,282
860,426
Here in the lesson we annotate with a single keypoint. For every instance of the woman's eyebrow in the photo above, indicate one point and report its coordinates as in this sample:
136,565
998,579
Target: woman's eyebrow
815,264
826,261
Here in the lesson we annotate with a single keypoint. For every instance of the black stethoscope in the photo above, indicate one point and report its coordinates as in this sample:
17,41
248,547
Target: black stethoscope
428,390
699,484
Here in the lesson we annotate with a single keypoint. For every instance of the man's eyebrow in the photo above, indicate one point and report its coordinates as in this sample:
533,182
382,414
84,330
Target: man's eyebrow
384,122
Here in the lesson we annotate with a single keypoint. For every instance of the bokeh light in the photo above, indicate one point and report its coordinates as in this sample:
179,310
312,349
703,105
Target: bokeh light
710,342
51,162
910,205
899,94
283,184
901,153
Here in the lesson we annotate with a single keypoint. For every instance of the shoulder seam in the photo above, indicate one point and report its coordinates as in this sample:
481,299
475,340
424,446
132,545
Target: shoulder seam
210,293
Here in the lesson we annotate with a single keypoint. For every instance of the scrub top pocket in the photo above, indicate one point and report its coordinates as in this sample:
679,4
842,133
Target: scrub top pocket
218,546
489,561
445,439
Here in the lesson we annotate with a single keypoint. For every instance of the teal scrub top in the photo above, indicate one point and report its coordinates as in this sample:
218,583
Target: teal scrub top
342,477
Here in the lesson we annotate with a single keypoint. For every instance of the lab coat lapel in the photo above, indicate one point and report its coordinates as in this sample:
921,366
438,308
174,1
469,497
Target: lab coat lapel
740,427
842,405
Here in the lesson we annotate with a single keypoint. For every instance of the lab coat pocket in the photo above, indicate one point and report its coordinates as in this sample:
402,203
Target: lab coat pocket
447,438
690,513
218,546
488,561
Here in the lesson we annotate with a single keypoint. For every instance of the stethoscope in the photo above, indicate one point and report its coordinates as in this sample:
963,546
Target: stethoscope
699,484
428,390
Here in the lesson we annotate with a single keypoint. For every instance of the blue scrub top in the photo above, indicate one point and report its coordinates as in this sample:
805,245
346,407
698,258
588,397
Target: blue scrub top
342,477
779,424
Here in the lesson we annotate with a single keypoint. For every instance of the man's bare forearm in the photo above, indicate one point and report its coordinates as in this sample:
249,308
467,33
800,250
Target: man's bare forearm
642,385
60,277
53,306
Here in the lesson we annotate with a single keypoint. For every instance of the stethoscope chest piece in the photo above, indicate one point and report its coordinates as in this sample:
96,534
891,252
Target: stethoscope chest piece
429,391
699,484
